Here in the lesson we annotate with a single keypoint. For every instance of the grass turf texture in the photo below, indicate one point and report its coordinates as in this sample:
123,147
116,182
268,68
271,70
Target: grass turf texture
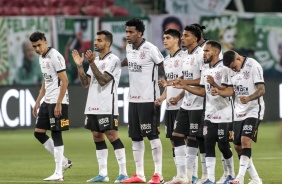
24,160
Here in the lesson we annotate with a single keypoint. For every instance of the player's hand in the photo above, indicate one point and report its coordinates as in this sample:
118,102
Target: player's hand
34,110
173,100
162,83
214,91
76,57
178,83
158,102
90,56
210,80
58,110
244,99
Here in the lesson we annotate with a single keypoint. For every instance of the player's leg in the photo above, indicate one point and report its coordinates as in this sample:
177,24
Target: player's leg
138,146
112,135
92,124
210,133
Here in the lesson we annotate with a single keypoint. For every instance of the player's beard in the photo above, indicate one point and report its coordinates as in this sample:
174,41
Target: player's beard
208,60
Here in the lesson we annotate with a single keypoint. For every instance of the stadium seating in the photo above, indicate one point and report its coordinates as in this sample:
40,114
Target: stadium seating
100,8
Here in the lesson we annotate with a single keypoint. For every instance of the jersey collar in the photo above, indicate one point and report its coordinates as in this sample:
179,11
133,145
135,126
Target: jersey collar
244,62
105,55
139,45
175,53
206,40
44,55
217,63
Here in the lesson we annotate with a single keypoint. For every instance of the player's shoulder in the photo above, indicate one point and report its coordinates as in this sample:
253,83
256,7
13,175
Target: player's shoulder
146,45
252,62
112,56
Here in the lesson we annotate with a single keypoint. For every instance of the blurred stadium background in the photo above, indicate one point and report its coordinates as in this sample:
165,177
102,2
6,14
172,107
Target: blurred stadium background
251,27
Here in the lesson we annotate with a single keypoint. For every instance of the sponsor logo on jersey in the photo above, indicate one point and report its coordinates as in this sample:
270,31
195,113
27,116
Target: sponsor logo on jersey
134,67
241,90
171,76
187,75
135,97
103,121
116,122
240,115
65,122
220,132
193,126
145,127
247,128
93,108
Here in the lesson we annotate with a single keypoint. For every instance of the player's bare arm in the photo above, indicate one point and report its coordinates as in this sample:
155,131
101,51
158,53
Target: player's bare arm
102,78
159,101
194,82
40,96
225,92
258,93
78,61
124,62
174,100
64,86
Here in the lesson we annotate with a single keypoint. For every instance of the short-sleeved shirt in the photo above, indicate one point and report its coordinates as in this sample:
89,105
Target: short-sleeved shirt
218,109
104,99
244,83
143,72
52,63
173,70
191,69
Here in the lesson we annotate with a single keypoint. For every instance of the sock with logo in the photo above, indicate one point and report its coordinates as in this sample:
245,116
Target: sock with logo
138,149
252,170
120,156
244,161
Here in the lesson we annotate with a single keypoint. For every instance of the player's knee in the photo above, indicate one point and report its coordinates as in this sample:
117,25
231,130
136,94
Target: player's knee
238,149
41,137
57,138
112,135
224,149
117,144
101,145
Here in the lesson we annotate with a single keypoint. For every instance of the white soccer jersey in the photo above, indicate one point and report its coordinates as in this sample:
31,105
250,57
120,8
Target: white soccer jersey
52,63
143,72
191,69
244,84
218,109
104,99
173,70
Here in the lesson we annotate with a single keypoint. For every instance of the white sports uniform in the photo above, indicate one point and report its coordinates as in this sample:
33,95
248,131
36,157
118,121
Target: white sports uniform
143,72
218,109
173,70
104,99
244,84
52,63
191,69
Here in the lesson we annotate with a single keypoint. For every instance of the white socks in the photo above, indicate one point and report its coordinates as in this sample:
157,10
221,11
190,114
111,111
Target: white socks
121,159
102,156
210,162
252,170
157,153
138,149
244,163
180,154
58,155
190,161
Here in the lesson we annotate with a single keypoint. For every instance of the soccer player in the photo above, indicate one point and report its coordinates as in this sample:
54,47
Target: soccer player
101,108
246,76
53,112
218,110
173,69
143,58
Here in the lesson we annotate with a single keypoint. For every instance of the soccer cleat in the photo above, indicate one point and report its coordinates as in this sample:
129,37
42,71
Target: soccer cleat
201,181
222,179
120,178
135,179
209,182
178,180
156,179
239,180
67,165
194,179
228,178
255,181
54,177
98,178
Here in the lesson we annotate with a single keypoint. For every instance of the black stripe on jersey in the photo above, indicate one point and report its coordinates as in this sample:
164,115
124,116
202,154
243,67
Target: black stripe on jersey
217,63
202,86
139,45
44,55
259,83
244,62
88,75
113,106
175,53
59,82
112,90
259,108
193,50
105,55
61,70
223,84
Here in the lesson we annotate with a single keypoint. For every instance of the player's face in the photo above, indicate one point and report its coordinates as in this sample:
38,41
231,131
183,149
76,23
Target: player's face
132,34
208,53
169,41
188,38
235,66
40,47
100,43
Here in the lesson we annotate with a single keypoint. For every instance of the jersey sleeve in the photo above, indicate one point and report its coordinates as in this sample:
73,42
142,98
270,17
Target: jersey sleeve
224,77
58,62
156,55
257,73
202,82
112,66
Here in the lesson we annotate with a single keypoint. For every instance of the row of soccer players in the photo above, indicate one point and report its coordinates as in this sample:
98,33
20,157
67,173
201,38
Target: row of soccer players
198,70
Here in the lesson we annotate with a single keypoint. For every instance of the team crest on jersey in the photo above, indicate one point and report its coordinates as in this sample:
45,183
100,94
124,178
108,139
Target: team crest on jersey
103,66
142,55
192,61
47,65
217,75
246,75
176,63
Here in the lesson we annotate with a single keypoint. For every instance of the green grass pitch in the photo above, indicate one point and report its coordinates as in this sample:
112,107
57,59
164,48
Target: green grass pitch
24,160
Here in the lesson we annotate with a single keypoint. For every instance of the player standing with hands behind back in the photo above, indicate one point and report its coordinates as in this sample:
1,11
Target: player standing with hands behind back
53,112
101,109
